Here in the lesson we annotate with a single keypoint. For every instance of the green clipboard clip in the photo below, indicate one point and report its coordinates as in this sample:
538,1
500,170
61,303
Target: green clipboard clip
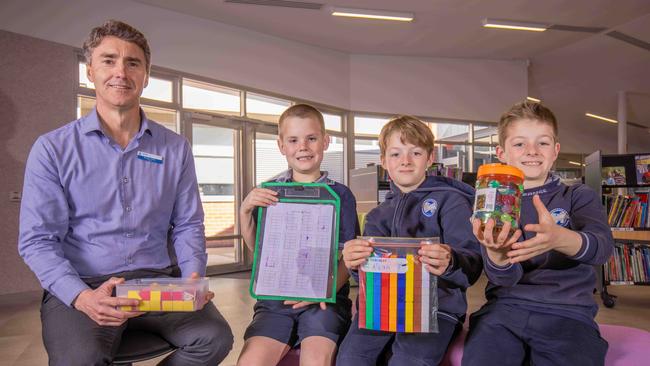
302,193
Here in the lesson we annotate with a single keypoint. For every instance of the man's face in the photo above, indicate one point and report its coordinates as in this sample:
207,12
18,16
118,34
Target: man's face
119,72
303,142
406,163
530,146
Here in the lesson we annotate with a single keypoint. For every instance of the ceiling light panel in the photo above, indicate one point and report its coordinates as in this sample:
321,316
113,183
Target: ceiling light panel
514,25
372,14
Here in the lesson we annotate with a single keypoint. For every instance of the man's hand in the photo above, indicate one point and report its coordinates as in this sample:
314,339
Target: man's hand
355,253
436,257
550,236
302,304
100,306
259,197
208,296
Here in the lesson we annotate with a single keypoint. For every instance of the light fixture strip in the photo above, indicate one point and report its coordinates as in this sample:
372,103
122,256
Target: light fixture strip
534,99
601,118
515,25
372,14
575,163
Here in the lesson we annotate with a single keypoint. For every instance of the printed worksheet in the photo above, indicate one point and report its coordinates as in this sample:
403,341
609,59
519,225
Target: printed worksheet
296,250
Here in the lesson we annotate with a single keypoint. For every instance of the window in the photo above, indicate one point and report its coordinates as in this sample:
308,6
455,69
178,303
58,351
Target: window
269,162
487,134
210,98
265,108
368,126
484,155
333,159
450,132
332,122
366,152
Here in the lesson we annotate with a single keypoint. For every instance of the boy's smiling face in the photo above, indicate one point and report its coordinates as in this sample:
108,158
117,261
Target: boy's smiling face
530,146
303,142
406,163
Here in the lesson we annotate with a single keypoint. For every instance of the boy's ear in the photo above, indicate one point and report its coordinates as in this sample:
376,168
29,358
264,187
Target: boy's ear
326,139
501,154
280,145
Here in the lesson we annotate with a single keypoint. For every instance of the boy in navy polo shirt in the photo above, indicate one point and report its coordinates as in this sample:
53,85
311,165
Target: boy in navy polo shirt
277,326
540,305
418,206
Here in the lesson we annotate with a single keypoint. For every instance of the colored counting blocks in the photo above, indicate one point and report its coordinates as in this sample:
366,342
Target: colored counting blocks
163,294
396,293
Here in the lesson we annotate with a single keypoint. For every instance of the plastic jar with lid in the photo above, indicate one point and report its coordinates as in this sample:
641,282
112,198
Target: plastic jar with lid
498,196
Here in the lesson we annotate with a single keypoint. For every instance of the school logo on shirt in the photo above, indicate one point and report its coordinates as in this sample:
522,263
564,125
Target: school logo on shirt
560,216
429,207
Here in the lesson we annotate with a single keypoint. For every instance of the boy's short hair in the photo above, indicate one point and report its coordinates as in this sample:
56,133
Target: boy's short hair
411,130
121,30
526,110
302,111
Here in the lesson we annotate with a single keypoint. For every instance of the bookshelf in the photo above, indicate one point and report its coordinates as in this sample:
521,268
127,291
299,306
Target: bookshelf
623,182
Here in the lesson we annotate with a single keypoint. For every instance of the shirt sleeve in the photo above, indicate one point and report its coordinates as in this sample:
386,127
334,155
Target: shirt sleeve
588,219
44,224
188,234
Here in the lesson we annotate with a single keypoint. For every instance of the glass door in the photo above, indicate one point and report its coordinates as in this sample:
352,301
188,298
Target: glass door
216,145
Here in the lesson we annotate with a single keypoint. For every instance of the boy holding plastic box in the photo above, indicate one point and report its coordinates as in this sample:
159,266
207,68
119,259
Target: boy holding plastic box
540,305
418,206
277,326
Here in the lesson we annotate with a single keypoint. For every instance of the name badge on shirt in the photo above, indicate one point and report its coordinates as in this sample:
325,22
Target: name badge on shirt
150,157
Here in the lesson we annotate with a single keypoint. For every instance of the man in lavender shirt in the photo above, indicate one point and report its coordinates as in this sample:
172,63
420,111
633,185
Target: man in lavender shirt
101,196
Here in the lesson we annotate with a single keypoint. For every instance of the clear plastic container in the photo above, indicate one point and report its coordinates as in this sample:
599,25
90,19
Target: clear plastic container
164,293
396,293
498,196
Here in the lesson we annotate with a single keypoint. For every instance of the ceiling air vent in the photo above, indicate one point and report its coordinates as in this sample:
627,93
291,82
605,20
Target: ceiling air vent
280,3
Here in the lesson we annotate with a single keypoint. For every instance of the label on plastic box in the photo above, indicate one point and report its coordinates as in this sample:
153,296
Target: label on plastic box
485,199
385,265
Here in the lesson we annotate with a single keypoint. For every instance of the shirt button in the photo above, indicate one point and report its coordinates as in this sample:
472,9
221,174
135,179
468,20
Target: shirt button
125,180
129,235
128,208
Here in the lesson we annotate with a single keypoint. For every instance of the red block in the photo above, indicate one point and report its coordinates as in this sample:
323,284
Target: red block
145,294
385,300
177,295
166,296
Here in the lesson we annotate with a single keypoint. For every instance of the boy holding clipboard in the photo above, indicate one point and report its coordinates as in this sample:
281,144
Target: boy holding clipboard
277,325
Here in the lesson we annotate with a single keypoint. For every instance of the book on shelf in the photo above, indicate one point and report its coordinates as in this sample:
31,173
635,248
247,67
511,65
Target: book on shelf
629,264
627,211
440,169
642,165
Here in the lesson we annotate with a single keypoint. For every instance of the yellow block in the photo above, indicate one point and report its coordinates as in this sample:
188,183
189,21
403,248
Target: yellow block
155,296
408,316
392,306
177,305
167,306
188,305
133,295
144,306
125,308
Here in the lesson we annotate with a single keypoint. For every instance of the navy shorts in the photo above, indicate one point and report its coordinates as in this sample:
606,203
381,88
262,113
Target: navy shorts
290,326
363,347
501,334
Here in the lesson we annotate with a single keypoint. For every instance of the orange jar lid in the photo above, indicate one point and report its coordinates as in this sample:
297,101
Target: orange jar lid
497,168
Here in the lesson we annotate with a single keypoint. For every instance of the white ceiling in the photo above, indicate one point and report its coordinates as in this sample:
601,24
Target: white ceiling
572,72
442,28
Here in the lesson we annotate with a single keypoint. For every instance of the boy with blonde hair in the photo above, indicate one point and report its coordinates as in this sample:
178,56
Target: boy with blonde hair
277,326
540,304
418,206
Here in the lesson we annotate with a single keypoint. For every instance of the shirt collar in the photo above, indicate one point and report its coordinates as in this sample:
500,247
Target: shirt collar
287,176
91,123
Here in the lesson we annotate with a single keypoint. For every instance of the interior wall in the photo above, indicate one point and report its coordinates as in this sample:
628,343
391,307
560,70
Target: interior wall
473,90
35,97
